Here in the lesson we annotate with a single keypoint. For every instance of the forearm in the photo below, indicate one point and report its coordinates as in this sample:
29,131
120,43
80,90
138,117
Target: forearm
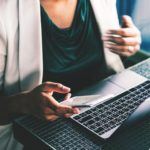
10,106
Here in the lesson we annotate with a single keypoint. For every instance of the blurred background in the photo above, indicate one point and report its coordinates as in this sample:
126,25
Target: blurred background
139,10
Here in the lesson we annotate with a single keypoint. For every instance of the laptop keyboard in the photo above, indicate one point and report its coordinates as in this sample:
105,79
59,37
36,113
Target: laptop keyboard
60,134
143,69
112,113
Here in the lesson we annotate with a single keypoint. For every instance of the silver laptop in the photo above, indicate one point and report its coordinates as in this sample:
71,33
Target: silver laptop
112,104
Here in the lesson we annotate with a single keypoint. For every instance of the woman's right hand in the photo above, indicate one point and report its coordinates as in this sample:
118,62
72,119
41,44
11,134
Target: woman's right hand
41,103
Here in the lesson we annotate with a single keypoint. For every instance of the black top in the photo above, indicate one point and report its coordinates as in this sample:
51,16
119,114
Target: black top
73,56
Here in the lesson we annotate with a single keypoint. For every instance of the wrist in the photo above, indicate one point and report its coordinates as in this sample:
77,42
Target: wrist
11,107
18,103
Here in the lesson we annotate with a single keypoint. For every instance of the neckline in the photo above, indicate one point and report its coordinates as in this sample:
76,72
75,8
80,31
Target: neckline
57,27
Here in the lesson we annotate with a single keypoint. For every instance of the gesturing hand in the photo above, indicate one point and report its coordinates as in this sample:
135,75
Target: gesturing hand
41,103
124,41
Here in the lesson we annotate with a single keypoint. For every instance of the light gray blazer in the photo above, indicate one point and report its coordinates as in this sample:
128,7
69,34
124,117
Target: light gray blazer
21,64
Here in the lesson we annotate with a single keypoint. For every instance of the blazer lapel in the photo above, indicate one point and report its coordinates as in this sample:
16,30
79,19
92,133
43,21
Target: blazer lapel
30,44
106,17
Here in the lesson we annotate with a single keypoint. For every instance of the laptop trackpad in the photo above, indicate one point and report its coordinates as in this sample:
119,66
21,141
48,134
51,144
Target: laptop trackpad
139,115
127,79
142,112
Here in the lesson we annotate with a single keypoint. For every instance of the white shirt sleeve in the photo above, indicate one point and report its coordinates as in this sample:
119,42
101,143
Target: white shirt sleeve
7,140
2,53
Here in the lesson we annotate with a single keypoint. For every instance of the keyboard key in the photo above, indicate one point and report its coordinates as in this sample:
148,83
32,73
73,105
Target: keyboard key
99,129
82,120
90,122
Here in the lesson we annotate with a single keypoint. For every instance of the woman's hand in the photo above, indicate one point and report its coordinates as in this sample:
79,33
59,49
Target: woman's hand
41,103
124,41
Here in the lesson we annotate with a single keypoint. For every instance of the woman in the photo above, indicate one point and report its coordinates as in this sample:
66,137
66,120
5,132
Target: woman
69,42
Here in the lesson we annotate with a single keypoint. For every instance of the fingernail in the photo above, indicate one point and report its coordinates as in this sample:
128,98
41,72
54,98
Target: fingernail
66,89
108,32
76,111
68,96
105,38
68,115
107,46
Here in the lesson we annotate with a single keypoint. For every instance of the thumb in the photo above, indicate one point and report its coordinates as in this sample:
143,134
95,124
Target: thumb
127,21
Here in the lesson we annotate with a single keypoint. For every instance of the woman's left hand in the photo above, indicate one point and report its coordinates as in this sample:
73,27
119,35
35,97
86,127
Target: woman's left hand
124,41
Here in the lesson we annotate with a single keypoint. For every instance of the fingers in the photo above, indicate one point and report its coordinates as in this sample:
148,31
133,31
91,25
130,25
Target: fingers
123,50
124,32
63,109
124,46
56,87
60,112
51,117
76,111
128,41
68,96
53,110
124,41
68,115
45,106
59,109
49,101
56,116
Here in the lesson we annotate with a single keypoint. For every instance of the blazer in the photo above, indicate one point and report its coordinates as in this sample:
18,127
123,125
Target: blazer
21,64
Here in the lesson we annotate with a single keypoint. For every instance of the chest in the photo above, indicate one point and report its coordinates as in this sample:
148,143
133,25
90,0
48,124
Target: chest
61,13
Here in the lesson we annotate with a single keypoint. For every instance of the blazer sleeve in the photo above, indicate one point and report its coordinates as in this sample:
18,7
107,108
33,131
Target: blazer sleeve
2,53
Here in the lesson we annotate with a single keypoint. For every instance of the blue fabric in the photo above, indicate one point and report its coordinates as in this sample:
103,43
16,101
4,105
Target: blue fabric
125,7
